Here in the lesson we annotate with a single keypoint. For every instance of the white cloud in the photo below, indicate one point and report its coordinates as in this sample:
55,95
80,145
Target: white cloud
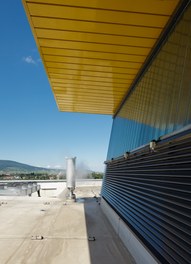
29,60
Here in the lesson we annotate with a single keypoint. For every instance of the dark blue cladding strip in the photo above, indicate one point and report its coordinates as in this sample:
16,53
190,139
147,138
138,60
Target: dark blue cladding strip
151,191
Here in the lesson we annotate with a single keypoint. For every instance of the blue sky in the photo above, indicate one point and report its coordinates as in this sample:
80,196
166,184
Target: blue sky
32,130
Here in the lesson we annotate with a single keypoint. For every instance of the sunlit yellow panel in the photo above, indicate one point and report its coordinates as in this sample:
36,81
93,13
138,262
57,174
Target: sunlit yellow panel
163,7
96,47
92,62
95,38
109,57
87,92
96,68
96,28
95,79
87,81
93,50
100,15
81,72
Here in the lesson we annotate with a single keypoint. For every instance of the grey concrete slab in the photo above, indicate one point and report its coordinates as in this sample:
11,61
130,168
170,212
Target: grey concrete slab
51,230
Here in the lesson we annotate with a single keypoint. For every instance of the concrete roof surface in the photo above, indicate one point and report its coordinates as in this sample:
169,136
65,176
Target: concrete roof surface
53,230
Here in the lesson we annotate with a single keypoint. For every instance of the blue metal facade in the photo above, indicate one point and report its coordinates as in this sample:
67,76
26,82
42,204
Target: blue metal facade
151,192
150,189
161,101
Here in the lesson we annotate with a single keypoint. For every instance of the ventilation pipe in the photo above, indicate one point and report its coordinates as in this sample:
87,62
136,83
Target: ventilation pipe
70,176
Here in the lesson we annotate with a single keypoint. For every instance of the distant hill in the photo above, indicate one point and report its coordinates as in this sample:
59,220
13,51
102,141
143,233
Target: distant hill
13,166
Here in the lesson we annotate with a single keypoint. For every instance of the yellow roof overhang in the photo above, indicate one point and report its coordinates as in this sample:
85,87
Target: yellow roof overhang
92,50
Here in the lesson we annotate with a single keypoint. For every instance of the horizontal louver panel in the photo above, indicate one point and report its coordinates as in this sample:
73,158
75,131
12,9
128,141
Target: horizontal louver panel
151,191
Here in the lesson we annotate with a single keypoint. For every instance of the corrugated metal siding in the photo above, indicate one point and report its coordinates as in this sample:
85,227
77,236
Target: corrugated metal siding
151,191
161,101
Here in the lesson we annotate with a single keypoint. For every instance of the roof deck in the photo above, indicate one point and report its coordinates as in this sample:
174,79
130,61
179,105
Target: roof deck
49,229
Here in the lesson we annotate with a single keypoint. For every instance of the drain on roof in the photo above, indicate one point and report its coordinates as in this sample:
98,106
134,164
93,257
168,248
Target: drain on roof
91,238
37,238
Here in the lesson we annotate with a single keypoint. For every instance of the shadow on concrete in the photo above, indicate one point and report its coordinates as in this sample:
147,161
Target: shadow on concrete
105,247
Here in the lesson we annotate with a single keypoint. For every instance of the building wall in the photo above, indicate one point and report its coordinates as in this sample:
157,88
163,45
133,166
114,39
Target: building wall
161,101
150,189
151,192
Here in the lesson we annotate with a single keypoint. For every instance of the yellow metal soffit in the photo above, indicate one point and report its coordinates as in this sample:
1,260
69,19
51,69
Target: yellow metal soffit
92,50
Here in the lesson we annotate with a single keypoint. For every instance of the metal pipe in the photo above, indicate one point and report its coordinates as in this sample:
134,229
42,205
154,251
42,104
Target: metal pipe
71,176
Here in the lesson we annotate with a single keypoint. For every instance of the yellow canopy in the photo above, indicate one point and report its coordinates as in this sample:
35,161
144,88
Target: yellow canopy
92,50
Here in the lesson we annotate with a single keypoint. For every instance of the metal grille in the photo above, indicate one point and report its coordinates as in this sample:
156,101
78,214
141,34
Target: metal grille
151,191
